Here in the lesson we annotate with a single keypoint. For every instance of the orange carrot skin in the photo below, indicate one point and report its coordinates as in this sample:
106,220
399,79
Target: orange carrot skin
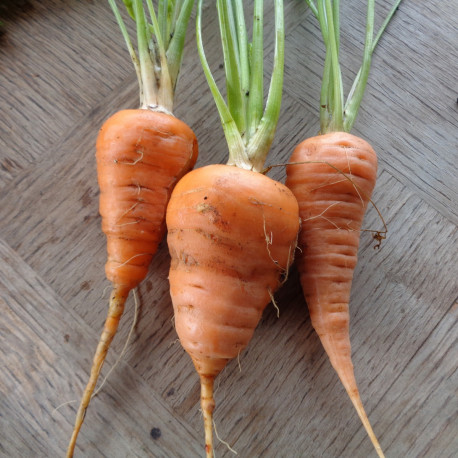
332,176
141,154
332,209
231,235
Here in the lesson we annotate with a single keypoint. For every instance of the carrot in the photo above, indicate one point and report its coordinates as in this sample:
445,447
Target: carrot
231,235
141,154
332,209
332,176
231,230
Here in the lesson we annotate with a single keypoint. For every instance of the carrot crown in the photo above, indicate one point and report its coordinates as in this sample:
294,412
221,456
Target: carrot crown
160,43
335,114
249,127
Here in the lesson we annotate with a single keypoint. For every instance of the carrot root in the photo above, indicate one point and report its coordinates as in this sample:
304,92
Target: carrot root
357,403
344,368
208,405
141,154
332,212
231,237
115,311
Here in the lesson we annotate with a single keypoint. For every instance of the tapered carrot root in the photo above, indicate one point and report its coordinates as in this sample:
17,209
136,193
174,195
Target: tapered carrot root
343,366
208,405
116,309
332,177
231,235
141,154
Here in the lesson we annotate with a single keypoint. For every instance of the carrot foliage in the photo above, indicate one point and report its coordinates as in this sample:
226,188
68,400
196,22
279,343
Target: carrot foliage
335,113
160,43
248,124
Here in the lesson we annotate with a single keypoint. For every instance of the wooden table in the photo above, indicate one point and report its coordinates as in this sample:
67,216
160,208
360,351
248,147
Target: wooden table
63,70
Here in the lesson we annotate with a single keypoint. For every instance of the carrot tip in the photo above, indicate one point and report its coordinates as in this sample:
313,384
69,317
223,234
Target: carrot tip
116,309
208,405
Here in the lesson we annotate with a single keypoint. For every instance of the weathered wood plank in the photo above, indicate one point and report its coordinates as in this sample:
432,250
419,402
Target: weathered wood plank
427,385
57,59
46,366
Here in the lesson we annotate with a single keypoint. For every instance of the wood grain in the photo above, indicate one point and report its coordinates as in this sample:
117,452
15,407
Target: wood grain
63,70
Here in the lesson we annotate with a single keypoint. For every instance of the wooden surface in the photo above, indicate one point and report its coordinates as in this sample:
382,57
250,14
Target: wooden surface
63,70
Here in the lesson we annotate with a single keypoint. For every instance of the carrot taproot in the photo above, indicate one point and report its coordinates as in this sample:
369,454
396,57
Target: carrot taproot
231,235
141,154
332,176
231,230
332,208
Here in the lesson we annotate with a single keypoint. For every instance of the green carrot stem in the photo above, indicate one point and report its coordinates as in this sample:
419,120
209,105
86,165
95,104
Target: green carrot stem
163,19
354,103
336,121
129,45
261,141
175,47
248,148
235,99
374,45
334,114
150,88
243,46
256,91
160,47
336,20
233,138
313,7
164,89
325,113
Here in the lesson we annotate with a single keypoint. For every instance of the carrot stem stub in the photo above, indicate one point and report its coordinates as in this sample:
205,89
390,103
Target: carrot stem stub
332,176
231,236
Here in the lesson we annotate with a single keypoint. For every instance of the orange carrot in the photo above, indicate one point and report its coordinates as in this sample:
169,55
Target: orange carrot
332,207
141,154
332,176
231,230
231,235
